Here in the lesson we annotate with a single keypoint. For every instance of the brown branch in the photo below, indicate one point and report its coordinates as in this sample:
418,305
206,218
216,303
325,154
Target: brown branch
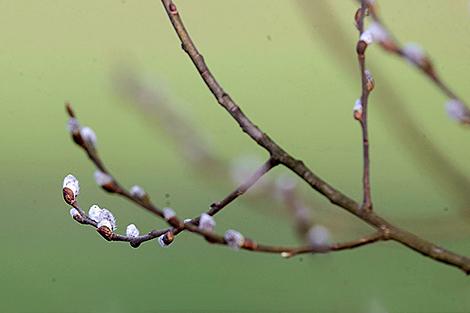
277,153
366,87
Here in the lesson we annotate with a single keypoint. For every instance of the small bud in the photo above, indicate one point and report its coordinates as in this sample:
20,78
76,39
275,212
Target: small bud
70,188
187,220
165,240
132,231
105,181
370,83
414,53
94,213
366,36
457,111
318,236
74,213
161,241
206,222
357,110
286,255
168,213
138,192
234,239
88,135
73,125
106,215
378,33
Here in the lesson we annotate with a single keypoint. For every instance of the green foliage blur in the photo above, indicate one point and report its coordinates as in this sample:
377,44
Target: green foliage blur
287,66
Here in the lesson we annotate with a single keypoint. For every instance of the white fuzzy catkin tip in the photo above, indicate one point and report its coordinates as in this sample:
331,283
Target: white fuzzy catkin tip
73,126
318,236
206,222
132,231
94,212
414,53
88,135
74,212
137,192
161,242
71,182
456,110
357,106
105,223
374,33
168,213
102,178
108,216
234,239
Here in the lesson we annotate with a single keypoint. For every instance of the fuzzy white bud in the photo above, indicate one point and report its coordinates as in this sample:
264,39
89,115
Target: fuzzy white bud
457,111
94,212
138,192
357,109
206,222
132,231
234,239
102,179
374,33
318,236
161,241
88,135
108,216
71,182
414,53
168,213
74,213
105,223
73,126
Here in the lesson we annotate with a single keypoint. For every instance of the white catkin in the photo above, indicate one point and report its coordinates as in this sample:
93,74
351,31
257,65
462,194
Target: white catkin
132,231
234,239
137,192
88,135
206,222
102,178
318,236
168,213
94,213
71,182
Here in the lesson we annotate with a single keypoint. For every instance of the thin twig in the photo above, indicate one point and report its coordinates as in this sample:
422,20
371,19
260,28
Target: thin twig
365,89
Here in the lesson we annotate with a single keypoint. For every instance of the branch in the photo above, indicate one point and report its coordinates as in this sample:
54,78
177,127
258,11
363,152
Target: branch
277,153
367,84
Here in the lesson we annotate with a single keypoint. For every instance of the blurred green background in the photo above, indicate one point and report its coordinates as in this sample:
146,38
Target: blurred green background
292,68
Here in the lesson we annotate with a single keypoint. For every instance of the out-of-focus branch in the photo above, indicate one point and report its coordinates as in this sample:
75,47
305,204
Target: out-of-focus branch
413,54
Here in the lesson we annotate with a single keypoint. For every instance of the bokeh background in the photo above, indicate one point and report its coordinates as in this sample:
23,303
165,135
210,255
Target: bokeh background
291,66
